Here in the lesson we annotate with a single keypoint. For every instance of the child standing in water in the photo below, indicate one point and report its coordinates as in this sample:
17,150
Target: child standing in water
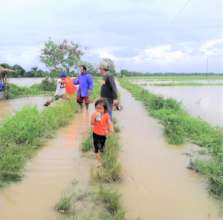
101,126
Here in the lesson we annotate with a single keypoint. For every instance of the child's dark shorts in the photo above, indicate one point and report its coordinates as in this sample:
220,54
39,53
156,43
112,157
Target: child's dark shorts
99,143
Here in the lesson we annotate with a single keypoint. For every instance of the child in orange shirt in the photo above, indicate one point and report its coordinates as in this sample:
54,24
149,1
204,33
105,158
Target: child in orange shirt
101,126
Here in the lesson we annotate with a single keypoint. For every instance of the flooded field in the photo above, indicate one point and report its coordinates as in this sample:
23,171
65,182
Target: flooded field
156,184
166,82
47,176
202,101
7,107
25,81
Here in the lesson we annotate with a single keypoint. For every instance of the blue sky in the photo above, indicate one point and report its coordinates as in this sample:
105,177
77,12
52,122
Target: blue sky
140,35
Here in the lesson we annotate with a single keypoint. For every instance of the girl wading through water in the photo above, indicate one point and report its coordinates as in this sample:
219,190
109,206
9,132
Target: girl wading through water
101,126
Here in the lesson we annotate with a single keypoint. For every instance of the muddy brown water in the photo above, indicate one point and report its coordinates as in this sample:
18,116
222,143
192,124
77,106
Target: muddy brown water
155,81
8,107
156,184
25,81
201,101
47,175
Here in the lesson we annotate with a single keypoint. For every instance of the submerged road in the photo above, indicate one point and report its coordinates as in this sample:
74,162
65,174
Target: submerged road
156,184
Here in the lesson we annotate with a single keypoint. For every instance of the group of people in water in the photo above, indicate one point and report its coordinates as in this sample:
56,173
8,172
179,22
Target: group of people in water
82,86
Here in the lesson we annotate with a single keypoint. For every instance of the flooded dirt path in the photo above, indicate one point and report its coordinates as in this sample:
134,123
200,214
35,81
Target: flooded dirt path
156,184
47,175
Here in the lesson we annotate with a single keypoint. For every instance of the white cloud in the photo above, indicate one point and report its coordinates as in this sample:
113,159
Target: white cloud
105,52
163,54
27,56
212,47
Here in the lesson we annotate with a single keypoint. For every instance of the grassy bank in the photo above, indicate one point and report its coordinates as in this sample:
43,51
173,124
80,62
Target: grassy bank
24,132
110,169
180,127
46,87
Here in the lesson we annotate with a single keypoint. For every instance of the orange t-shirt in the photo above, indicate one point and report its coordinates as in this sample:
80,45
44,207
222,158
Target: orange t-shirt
69,86
102,125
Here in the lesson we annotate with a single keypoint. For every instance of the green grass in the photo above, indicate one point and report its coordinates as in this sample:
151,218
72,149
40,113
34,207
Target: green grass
180,127
186,84
179,77
64,204
24,132
111,202
110,170
46,87
95,202
87,144
95,94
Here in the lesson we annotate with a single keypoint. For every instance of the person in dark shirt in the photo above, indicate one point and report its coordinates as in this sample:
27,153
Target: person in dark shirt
108,89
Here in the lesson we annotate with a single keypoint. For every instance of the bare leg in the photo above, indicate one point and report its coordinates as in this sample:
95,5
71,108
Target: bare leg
98,157
47,103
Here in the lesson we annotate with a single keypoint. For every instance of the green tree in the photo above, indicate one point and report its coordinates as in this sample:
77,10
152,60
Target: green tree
62,56
19,70
124,72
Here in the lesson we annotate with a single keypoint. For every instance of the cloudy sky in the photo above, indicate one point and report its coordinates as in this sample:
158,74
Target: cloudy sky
140,35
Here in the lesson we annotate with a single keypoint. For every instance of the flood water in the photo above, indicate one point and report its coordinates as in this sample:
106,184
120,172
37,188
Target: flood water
8,107
156,184
47,175
202,82
201,101
25,81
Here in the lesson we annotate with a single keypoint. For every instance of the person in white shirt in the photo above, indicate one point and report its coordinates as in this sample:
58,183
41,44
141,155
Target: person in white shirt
60,92
60,89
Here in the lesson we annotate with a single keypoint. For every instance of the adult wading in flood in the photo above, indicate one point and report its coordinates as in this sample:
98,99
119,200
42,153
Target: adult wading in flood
85,82
108,89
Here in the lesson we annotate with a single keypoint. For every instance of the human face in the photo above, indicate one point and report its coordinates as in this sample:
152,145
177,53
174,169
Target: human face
100,108
82,69
102,71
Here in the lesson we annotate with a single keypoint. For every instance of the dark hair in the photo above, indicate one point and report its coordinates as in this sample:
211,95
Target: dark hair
102,102
84,67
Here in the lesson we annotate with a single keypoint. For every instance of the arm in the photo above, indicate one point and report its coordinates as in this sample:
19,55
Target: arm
110,126
76,81
90,82
93,120
113,87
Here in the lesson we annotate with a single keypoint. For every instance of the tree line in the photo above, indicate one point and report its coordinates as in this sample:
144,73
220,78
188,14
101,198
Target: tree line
21,72
125,72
